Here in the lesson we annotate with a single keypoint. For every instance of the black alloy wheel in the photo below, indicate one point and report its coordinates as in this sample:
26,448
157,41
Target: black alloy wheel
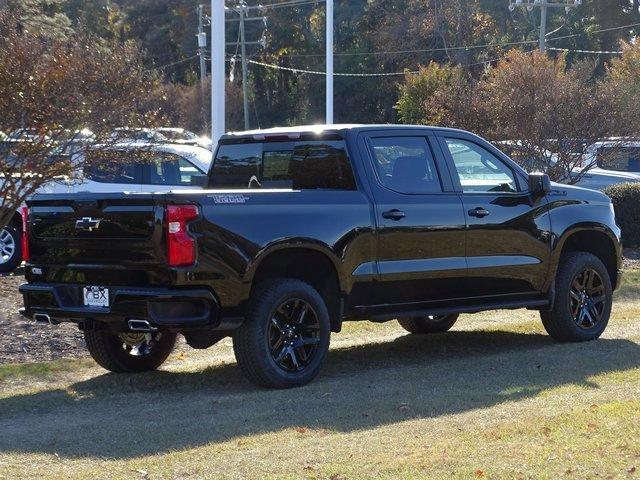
583,299
294,335
587,298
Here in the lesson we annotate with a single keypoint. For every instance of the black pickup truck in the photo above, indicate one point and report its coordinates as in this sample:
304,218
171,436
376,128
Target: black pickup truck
301,229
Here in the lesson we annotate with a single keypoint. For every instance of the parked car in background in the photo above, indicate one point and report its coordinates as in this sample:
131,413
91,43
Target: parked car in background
172,167
612,162
185,137
130,134
305,228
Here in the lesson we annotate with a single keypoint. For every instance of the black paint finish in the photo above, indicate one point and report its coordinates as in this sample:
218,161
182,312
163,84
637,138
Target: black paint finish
438,256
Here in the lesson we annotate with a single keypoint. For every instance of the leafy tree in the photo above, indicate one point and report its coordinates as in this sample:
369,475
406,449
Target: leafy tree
50,89
552,113
622,84
422,96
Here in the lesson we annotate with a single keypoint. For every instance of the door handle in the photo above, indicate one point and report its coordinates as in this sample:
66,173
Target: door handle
479,212
394,214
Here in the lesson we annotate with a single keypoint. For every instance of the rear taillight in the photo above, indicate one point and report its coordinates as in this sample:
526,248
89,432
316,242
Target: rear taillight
24,212
182,247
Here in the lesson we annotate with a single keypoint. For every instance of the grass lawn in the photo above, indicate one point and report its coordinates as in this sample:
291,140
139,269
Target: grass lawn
493,398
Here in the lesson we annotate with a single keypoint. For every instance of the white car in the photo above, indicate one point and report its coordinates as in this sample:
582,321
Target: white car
167,167
184,137
612,162
135,134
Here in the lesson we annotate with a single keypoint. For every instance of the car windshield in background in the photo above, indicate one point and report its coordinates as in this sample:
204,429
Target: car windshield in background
619,159
115,166
298,165
140,165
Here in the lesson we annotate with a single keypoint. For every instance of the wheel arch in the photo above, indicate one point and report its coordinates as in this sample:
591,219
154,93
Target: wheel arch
307,261
596,239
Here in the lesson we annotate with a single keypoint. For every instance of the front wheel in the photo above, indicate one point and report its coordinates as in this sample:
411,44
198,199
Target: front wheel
129,352
284,339
429,324
583,299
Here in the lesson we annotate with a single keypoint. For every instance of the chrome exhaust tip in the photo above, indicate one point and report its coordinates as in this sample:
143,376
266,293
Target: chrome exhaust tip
140,326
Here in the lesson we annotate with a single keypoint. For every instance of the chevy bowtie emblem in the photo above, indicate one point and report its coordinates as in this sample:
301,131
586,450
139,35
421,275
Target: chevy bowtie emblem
87,224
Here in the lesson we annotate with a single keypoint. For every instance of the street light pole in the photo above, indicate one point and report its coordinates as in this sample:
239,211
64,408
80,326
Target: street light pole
217,71
245,80
329,111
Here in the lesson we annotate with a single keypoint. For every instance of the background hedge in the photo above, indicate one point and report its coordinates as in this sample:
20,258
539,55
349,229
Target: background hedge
626,200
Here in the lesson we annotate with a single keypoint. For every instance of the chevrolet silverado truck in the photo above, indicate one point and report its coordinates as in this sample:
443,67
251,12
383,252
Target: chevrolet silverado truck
302,229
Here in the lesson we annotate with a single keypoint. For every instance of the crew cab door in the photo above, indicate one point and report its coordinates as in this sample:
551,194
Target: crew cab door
420,221
508,231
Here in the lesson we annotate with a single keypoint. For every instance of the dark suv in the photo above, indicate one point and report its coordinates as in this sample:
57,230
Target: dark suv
304,228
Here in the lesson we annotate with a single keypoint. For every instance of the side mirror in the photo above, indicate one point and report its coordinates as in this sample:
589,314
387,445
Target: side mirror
539,184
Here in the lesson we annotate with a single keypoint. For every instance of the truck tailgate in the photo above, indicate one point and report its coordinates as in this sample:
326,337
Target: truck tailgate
97,229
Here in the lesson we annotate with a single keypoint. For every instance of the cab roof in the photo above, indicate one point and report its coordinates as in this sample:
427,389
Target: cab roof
339,129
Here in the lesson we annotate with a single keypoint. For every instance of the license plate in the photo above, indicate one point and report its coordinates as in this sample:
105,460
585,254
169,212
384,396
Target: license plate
96,296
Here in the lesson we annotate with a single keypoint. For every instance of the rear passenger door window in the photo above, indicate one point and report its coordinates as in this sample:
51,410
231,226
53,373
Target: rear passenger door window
405,165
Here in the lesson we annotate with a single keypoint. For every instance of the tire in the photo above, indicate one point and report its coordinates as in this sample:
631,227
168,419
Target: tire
279,346
430,324
109,351
566,322
10,249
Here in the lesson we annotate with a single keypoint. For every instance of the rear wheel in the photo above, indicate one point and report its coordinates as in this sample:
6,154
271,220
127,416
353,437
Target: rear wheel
429,324
129,352
10,249
583,299
285,337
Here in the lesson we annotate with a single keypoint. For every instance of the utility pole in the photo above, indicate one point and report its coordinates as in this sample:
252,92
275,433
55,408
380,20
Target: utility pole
329,61
243,52
202,45
217,71
243,16
544,10
543,27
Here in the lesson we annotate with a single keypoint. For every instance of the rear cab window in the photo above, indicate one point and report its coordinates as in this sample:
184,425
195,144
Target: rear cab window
297,165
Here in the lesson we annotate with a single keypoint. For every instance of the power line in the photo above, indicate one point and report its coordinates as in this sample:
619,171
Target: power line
442,49
426,50
162,67
286,3
603,30
595,52
318,72
373,74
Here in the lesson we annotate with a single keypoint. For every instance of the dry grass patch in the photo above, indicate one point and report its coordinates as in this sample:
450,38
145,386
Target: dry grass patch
494,398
